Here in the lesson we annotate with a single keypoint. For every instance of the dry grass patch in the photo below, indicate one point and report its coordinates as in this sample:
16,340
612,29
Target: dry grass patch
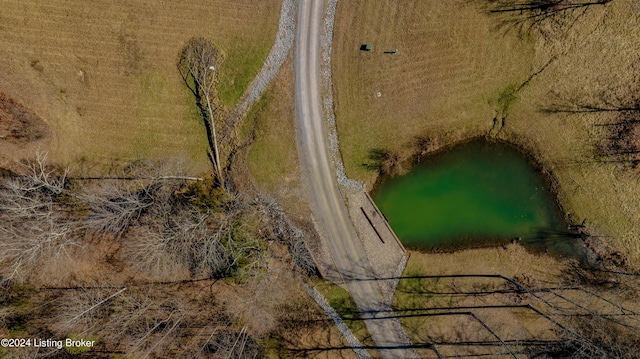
594,59
306,332
272,155
470,315
104,75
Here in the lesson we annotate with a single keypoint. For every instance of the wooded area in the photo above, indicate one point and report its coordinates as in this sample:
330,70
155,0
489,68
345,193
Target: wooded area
153,228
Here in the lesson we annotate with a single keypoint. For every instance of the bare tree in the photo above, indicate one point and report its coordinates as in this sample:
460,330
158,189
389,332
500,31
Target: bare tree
231,344
145,250
388,163
34,228
207,244
198,62
114,206
140,321
177,241
83,311
280,227
44,176
151,321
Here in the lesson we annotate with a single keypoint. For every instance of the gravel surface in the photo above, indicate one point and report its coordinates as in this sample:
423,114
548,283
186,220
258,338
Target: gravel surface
326,201
387,259
384,254
348,335
325,68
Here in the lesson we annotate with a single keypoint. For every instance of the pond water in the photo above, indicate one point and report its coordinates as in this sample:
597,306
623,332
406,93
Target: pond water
475,194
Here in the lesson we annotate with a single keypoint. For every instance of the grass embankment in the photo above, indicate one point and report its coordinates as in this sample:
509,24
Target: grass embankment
457,68
342,302
273,157
104,75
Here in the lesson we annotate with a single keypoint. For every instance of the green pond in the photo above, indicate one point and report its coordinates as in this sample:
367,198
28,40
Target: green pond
475,194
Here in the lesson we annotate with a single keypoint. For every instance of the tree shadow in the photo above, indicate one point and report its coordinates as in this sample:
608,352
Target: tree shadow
386,162
619,137
525,16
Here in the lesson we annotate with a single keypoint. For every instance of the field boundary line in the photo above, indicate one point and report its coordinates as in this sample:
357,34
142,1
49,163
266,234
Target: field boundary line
348,335
277,55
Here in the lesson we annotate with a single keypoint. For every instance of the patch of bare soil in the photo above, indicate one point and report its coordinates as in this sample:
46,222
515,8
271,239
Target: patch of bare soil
21,131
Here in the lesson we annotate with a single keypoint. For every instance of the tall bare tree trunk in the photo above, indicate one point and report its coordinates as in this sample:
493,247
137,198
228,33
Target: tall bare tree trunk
199,61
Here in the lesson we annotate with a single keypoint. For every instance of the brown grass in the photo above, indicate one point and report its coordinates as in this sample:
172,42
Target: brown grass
21,132
419,296
449,69
104,75
452,74
306,332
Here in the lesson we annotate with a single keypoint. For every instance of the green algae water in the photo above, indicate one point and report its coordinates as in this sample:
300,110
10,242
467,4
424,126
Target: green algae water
476,194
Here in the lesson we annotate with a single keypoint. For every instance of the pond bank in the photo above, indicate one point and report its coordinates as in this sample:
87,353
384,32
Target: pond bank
476,193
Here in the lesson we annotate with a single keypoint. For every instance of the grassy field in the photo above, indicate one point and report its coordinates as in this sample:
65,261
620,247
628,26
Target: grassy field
104,76
456,70
444,80
273,157
494,301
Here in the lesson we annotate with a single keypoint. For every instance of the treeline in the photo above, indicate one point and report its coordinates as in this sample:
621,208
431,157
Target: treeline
160,232
163,223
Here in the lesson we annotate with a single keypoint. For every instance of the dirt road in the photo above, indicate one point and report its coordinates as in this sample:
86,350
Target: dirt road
327,205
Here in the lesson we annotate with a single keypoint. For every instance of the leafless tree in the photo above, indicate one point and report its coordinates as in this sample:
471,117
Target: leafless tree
84,310
388,163
189,238
42,217
113,207
281,228
43,175
177,241
146,251
198,63
231,344
34,228
139,321
207,244
147,321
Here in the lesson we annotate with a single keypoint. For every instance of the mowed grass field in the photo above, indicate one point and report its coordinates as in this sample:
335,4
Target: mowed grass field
104,77
454,62
449,67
